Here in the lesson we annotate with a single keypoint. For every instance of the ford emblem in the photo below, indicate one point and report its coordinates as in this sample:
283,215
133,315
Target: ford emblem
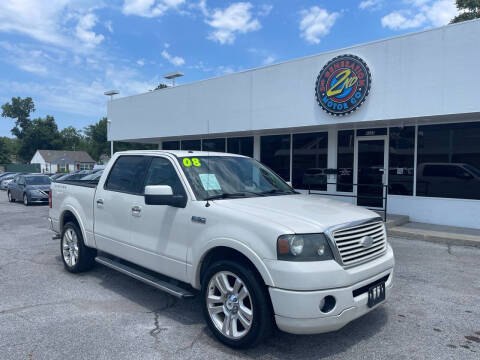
366,241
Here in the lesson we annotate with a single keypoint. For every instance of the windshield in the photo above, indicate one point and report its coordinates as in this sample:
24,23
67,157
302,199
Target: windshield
217,177
472,169
37,180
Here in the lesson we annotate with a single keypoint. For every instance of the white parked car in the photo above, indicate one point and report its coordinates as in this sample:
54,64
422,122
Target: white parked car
226,228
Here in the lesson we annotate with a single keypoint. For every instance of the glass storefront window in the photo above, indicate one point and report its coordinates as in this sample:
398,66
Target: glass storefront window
310,161
217,145
171,145
275,153
401,160
191,145
448,163
240,145
345,150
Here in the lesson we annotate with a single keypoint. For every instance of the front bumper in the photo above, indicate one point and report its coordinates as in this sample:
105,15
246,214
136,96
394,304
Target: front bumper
297,310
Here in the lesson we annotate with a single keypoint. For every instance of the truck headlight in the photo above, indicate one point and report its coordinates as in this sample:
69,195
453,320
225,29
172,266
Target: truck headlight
303,247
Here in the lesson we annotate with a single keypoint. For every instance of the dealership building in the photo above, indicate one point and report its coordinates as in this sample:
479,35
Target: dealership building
393,123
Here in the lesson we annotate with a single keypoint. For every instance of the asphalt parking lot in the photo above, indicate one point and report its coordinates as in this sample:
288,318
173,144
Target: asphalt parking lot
48,313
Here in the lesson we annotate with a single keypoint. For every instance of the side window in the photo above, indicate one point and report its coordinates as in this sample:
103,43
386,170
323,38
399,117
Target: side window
162,172
127,174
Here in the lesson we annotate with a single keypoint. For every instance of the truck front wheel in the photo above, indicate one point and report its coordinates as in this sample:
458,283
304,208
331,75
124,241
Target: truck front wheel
235,304
75,255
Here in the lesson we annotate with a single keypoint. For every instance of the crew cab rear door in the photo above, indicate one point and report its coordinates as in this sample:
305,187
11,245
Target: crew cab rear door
113,204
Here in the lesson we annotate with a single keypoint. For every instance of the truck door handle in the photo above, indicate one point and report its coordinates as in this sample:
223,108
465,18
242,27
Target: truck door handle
99,202
136,210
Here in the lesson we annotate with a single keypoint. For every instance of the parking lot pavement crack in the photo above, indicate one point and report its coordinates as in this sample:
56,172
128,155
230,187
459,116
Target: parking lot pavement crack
170,302
27,307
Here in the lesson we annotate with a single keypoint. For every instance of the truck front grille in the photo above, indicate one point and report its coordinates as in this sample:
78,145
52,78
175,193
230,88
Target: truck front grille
350,242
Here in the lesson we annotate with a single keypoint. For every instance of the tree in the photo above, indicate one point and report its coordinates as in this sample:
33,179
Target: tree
71,138
469,10
96,139
160,86
20,110
8,147
4,153
97,144
40,134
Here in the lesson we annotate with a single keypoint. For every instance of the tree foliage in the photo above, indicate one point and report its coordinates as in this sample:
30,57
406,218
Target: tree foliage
42,133
20,110
161,86
469,10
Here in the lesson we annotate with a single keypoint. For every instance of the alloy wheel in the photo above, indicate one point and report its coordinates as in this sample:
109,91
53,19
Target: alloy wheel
25,199
229,305
70,247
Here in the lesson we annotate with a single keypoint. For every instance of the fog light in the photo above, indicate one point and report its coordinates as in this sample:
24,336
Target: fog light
327,304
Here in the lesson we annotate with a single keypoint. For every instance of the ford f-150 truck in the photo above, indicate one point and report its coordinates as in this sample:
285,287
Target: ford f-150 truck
228,229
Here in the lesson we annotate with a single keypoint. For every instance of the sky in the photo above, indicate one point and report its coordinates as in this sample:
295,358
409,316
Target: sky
66,53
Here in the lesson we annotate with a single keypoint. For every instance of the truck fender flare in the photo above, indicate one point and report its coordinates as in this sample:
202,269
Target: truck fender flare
77,217
235,245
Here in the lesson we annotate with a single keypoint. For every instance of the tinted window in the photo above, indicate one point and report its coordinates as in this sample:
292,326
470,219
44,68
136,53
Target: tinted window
127,174
162,172
310,161
171,145
275,153
217,145
240,145
345,149
191,145
401,160
446,156
37,180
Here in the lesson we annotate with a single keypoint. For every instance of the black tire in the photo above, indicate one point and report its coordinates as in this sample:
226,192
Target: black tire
262,322
25,200
86,255
10,198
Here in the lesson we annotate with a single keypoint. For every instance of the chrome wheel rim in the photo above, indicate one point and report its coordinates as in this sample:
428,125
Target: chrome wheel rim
25,200
9,197
229,305
70,247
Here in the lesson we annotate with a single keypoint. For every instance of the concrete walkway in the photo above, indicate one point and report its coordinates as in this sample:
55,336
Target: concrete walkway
436,233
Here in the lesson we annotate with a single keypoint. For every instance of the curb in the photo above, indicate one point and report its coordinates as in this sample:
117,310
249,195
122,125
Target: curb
435,237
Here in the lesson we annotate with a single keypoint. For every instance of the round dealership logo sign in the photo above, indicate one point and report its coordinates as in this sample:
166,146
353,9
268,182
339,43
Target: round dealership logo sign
343,84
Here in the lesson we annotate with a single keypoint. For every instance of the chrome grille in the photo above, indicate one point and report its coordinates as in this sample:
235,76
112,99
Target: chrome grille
349,242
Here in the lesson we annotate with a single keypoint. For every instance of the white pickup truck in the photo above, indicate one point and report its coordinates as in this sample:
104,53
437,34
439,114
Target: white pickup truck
227,228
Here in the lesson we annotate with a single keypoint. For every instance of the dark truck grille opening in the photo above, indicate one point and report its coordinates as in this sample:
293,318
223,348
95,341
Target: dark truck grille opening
350,247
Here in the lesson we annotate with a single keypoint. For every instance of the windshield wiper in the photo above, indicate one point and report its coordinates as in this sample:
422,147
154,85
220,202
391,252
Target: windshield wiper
233,195
225,196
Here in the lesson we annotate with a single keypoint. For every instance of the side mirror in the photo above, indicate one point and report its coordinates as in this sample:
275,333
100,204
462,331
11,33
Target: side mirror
163,195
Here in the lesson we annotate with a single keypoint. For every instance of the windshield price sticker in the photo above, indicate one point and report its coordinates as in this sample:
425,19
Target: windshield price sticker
209,182
187,162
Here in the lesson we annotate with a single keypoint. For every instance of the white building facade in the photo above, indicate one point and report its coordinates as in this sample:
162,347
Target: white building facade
408,138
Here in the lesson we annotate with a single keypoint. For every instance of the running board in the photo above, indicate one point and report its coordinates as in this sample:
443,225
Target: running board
144,277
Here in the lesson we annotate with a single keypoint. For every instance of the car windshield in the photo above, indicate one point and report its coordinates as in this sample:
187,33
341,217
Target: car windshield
37,180
221,177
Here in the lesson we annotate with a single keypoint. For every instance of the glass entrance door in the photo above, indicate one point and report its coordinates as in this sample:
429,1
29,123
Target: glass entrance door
371,159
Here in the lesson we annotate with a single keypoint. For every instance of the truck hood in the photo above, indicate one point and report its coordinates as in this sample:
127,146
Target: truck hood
299,213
